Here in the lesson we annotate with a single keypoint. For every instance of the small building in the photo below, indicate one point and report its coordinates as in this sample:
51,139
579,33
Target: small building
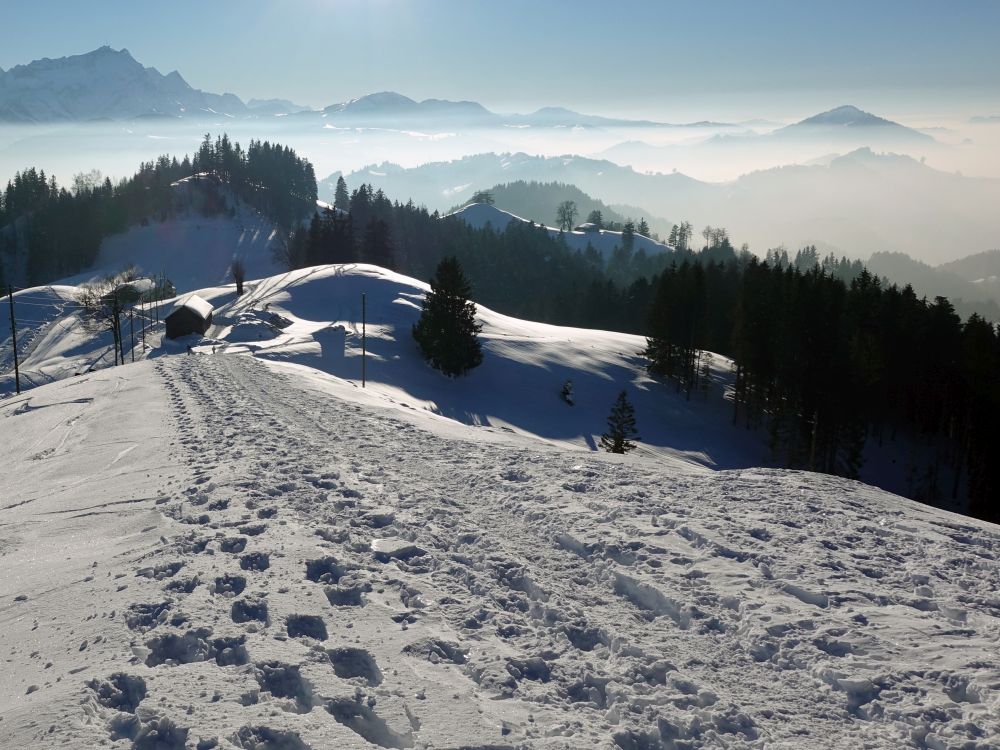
587,227
193,315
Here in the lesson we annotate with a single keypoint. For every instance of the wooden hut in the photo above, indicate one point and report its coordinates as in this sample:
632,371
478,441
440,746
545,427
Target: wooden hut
193,315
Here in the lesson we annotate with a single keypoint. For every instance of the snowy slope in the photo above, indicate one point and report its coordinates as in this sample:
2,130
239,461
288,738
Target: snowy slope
192,250
480,214
516,388
214,548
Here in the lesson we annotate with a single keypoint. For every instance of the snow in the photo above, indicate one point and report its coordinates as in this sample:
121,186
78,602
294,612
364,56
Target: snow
193,252
224,547
103,83
200,307
479,215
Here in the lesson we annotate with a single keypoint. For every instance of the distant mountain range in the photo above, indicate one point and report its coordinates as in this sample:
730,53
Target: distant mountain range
111,84
108,84
856,204
103,84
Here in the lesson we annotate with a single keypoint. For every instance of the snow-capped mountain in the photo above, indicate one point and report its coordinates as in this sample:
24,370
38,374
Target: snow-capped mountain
103,84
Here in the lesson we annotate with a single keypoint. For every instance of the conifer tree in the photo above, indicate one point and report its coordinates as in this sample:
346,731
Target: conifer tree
447,329
621,427
341,200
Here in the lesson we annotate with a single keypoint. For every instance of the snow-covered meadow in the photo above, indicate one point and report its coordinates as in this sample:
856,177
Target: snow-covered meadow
245,548
206,549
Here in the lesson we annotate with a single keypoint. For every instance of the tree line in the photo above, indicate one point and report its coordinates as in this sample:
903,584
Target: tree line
827,357
829,366
57,230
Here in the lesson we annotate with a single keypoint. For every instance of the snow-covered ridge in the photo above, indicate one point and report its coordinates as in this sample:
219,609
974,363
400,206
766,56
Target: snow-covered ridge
479,215
219,552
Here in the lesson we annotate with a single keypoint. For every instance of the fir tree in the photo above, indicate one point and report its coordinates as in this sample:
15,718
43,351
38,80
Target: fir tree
341,200
378,248
447,329
621,427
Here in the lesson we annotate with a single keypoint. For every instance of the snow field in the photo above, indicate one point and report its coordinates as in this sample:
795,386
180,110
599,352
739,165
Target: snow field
277,560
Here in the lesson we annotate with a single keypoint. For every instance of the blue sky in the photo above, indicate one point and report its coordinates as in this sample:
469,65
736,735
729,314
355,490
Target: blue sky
664,59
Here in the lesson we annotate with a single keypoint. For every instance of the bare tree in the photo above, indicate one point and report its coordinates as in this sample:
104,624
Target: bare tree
566,215
101,305
239,271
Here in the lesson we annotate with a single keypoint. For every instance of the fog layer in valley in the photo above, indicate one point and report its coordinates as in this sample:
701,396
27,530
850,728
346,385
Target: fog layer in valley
936,206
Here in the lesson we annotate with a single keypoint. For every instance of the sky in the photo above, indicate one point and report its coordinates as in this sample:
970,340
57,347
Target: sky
669,60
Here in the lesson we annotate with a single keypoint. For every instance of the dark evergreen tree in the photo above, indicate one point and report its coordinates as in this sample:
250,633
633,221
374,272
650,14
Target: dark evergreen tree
378,249
341,198
621,427
447,331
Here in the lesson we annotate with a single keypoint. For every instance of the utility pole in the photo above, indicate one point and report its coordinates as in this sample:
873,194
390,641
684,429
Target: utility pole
13,335
131,330
364,336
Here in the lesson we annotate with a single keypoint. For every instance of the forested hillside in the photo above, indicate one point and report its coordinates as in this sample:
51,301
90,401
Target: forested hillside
829,359
48,230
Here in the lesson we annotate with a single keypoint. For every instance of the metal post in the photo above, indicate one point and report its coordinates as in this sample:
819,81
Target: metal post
364,336
13,335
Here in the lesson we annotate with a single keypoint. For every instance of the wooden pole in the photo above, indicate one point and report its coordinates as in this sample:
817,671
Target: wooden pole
13,335
364,337
131,329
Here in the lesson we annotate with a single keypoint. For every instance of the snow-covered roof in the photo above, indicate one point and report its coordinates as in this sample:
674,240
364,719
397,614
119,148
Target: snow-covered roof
202,308
140,285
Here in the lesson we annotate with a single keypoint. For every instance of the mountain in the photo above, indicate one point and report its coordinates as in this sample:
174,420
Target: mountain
219,549
981,296
603,241
850,123
441,185
976,268
275,107
400,109
857,204
103,84
539,201
566,118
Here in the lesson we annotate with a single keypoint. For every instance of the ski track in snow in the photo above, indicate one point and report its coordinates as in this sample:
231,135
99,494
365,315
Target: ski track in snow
334,575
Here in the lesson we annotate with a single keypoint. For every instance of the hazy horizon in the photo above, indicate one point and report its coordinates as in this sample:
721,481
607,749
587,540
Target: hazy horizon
733,61
928,66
